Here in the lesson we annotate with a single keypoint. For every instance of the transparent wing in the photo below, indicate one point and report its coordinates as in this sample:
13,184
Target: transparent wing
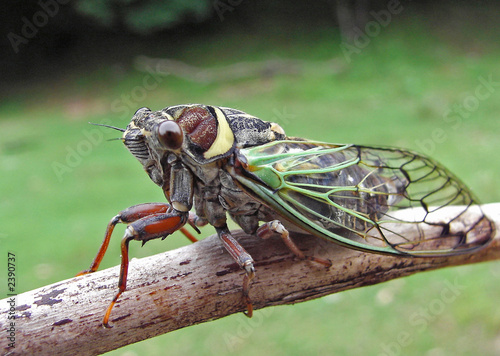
378,199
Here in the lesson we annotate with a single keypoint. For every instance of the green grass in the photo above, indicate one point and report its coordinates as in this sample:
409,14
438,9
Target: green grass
396,92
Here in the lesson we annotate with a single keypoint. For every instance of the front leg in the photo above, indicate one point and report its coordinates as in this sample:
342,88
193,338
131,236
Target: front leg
130,215
146,222
145,229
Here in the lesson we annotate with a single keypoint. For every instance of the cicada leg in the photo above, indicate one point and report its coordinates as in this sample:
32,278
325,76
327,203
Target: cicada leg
189,235
244,260
145,229
276,227
146,222
132,214
195,222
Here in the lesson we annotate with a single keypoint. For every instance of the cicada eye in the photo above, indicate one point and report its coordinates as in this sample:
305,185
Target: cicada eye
170,135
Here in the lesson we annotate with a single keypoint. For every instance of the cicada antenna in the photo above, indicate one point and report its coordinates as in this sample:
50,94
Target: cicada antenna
108,126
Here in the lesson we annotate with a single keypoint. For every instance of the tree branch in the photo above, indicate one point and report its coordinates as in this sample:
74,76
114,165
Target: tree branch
195,284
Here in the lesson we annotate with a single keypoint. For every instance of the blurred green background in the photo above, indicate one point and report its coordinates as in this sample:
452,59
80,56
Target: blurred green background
422,75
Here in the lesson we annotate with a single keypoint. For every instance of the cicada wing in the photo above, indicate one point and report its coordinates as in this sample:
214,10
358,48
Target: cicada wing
370,198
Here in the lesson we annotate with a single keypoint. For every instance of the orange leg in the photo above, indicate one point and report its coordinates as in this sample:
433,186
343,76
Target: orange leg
129,215
195,222
145,229
146,222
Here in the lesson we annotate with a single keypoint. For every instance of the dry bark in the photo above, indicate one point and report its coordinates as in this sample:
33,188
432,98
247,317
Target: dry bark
195,284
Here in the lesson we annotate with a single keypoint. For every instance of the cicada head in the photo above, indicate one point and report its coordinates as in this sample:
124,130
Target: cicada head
195,134
141,139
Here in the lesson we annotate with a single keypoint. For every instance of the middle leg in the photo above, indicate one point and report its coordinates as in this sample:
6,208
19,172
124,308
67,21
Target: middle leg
244,260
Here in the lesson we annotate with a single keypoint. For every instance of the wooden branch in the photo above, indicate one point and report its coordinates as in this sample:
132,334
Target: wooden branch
195,284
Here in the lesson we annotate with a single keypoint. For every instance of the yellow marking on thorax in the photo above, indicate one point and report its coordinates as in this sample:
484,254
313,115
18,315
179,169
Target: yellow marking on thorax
225,137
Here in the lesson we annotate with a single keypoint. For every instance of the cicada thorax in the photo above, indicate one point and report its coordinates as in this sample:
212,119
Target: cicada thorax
211,136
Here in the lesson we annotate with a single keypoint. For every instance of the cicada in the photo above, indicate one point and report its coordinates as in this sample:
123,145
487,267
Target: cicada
221,161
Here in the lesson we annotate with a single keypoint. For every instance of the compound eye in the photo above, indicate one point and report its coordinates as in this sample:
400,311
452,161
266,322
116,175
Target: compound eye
170,135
